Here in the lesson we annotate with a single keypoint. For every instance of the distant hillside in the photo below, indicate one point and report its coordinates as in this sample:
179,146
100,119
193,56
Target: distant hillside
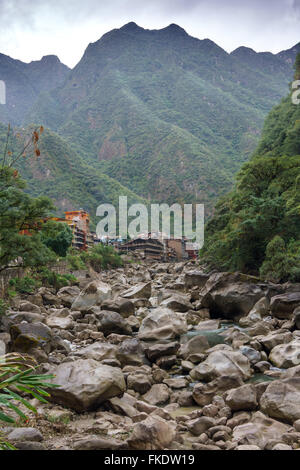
169,116
25,82
65,177
257,225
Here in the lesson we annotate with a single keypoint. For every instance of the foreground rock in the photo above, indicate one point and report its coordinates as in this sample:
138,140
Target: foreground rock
85,384
231,295
281,400
154,433
95,293
162,323
259,430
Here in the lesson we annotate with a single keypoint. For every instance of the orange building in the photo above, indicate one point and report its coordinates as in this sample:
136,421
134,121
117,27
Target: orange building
79,222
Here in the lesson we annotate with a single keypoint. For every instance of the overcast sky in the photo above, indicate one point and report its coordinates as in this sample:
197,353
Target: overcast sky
30,29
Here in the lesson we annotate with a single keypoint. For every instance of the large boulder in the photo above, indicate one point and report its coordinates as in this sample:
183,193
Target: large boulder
25,336
275,338
204,393
162,323
140,291
139,381
286,355
123,306
159,350
281,400
153,433
260,309
98,351
130,352
195,278
196,345
157,395
178,303
282,306
112,322
85,384
95,293
224,363
242,398
68,294
259,430
231,295
60,319
26,306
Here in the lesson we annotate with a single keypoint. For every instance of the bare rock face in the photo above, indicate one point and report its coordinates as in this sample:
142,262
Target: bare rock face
112,322
123,306
196,345
85,384
60,319
26,336
281,400
153,433
231,295
159,394
195,278
26,306
159,350
275,338
140,291
224,362
130,352
259,430
98,351
286,355
162,323
242,398
140,382
95,293
178,303
68,294
282,306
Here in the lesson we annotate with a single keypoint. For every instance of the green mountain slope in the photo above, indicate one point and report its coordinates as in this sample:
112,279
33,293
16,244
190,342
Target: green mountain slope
170,116
65,177
257,226
25,82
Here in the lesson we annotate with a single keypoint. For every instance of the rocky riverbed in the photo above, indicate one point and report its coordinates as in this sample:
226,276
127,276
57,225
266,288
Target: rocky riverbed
162,356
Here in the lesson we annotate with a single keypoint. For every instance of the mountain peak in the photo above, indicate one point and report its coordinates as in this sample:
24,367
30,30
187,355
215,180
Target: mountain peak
174,28
131,26
53,59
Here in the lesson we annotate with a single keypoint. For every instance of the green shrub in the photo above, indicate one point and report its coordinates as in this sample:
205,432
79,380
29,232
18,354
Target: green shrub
17,375
24,285
75,262
102,257
49,278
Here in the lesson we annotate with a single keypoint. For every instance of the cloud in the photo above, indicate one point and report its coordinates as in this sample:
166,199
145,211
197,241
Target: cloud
32,28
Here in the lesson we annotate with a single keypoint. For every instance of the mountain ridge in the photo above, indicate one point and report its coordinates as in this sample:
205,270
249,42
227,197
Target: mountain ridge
169,116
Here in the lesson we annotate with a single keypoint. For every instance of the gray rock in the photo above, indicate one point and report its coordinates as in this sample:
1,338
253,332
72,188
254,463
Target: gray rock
25,434
86,383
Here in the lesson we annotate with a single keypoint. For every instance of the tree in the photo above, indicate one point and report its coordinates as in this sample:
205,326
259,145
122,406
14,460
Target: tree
57,236
21,215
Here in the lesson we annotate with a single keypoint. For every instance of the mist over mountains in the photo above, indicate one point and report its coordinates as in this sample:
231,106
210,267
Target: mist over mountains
158,113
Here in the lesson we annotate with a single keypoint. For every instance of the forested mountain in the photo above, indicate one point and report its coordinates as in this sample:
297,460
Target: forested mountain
61,174
257,226
169,116
25,82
